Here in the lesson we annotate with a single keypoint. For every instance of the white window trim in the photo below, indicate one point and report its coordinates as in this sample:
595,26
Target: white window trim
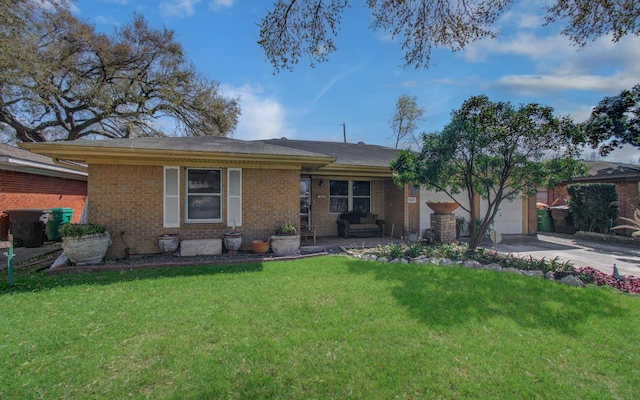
234,219
186,201
165,204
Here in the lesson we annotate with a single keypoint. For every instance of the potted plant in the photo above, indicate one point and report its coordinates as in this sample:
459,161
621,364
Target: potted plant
286,229
286,241
84,243
233,239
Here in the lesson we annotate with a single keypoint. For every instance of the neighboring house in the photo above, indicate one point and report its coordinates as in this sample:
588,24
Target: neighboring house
199,187
29,180
626,177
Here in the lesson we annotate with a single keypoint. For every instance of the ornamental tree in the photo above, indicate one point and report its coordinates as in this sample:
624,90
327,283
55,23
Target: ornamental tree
493,150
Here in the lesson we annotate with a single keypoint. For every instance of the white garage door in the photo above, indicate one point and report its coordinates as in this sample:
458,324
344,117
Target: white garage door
509,219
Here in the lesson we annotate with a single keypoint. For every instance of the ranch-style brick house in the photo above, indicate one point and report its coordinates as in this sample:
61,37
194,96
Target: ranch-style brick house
199,187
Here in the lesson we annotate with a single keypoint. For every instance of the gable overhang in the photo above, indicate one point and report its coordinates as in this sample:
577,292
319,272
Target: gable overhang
36,168
139,156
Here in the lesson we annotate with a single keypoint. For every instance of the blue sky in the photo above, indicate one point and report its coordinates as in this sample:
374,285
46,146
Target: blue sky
361,82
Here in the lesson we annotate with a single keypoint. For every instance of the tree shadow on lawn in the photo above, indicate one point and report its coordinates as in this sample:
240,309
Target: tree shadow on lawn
40,281
448,296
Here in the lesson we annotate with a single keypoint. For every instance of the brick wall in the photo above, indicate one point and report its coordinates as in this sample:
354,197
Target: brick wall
444,227
22,190
130,199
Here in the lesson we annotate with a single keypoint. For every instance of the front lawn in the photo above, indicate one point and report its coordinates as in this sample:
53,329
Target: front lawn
322,327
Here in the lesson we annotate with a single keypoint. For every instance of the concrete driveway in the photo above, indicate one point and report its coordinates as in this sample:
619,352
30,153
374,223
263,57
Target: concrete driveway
581,251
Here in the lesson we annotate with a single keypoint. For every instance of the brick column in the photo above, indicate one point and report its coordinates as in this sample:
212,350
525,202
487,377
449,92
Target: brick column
444,227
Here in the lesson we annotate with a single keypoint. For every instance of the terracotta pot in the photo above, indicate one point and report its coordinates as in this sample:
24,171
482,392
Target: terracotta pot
87,249
442,208
260,246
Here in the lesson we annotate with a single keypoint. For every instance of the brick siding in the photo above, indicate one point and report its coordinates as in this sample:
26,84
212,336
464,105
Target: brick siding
130,199
23,190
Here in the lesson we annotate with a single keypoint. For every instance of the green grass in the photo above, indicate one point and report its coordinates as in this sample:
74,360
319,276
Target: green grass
323,327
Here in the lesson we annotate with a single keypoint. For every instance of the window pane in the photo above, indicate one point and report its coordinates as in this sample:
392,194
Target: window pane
339,188
339,205
204,207
362,188
203,181
362,204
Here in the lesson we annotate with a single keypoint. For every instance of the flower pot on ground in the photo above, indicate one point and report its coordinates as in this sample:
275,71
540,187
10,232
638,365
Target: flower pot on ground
442,207
232,241
84,243
285,245
168,243
260,246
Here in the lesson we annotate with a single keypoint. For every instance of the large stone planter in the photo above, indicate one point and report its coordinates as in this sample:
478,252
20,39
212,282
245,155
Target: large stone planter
232,241
285,245
86,249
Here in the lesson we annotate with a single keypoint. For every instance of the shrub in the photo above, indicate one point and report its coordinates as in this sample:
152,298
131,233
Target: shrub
79,230
593,206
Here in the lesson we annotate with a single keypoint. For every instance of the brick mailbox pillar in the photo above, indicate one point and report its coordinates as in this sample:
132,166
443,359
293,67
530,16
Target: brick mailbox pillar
444,227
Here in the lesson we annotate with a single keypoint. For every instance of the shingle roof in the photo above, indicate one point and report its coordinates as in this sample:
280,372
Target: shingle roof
345,153
18,153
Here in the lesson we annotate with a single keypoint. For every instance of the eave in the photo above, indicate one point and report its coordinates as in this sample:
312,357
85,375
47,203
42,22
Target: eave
137,156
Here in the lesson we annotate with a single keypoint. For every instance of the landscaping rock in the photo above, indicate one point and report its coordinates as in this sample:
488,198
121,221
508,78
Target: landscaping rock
472,264
511,270
446,261
549,275
383,260
535,272
493,267
571,281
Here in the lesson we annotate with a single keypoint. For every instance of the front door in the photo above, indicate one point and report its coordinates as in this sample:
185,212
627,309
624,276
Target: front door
305,202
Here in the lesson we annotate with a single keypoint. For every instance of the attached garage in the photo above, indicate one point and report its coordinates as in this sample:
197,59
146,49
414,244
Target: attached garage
511,217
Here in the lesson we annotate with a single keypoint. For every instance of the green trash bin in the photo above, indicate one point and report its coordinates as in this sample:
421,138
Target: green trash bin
545,222
58,216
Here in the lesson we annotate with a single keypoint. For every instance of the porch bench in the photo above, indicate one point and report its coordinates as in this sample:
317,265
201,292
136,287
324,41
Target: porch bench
359,224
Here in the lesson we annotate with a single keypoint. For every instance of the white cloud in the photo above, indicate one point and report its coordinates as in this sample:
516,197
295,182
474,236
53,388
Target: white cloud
262,116
335,79
218,4
178,8
536,85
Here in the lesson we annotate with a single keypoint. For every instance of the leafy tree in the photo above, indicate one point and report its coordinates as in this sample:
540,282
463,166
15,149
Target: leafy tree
493,150
296,28
61,80
403,122
614,122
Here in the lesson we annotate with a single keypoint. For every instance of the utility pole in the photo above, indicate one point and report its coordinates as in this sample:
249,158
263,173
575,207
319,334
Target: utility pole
344,131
